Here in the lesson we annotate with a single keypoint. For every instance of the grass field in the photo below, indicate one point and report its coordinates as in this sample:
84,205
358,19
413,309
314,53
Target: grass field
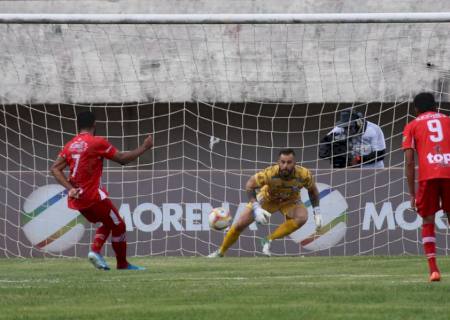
228,288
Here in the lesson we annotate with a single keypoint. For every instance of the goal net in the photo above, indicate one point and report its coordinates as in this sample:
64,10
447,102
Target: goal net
220,100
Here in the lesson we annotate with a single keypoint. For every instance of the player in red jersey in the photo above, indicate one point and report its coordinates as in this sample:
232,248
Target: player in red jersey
429,135
84,155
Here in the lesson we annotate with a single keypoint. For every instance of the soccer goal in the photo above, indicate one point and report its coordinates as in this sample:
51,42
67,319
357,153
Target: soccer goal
222,94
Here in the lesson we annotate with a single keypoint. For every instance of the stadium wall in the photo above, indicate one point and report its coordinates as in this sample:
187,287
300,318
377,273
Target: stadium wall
314,63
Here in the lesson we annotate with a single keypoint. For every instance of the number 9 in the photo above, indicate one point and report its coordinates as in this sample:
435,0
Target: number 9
435,127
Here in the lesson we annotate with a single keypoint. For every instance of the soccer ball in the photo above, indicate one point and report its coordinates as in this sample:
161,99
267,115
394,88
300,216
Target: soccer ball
219,219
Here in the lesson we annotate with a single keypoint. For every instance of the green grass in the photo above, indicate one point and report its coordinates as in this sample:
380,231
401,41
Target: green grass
228,288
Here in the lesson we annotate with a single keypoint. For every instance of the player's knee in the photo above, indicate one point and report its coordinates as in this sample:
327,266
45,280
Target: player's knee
239,226
300,220
299,216
428,219
245,219
119,229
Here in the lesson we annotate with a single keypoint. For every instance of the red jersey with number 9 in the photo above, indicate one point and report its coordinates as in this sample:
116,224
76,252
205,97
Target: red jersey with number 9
84,154
429,135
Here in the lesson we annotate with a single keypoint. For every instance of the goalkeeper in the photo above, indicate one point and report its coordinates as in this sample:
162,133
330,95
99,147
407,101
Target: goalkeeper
279,190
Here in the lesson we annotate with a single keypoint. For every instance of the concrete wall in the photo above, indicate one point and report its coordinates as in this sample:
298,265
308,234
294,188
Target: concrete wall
295,63
220,6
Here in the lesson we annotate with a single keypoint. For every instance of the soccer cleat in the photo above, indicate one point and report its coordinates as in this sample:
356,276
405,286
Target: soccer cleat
215,254
266,247
132,267
97,261
435,276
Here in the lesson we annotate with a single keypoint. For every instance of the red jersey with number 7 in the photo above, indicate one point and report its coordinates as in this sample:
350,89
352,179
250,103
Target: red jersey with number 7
429,135
84,154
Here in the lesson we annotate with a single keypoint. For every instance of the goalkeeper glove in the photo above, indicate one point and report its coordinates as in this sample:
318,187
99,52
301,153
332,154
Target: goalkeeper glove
260,214
317,218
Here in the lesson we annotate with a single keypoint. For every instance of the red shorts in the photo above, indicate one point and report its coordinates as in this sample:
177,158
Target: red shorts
103,211
432,196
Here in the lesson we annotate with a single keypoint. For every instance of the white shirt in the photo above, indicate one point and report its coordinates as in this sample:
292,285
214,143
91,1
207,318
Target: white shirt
372,139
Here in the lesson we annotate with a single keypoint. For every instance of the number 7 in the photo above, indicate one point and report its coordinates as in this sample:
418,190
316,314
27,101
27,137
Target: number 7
77,161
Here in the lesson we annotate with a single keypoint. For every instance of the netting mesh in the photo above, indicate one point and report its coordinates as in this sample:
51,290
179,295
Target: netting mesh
220,100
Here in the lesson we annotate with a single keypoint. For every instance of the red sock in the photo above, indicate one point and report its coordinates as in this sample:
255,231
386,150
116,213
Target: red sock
119,245
429,245
100,237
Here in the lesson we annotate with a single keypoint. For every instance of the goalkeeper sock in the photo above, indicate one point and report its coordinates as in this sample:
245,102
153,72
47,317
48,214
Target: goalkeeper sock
100,237
119,245
230,238
429,245
284,229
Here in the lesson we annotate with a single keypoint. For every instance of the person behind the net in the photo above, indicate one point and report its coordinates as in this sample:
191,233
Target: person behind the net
354,142
84,155
279,190
429,136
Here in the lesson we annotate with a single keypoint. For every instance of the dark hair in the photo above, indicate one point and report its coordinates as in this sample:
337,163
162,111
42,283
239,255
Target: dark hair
286,152
424,101
85,120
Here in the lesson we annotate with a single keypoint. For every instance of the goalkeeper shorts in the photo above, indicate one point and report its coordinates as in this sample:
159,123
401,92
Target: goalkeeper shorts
283,207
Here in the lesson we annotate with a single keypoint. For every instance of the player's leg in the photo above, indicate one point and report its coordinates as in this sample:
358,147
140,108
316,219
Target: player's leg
245,219
114,221
445,197
427,202
92,214
296,216
101,235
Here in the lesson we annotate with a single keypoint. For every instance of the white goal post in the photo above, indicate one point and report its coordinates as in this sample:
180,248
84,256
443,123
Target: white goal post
252,18
222,94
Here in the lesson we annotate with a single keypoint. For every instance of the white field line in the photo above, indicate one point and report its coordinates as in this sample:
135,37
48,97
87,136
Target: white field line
205,279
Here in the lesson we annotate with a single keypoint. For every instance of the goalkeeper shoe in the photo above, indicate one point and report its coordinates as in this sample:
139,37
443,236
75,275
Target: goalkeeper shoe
266,247
97,260
215,254
435,276
132,267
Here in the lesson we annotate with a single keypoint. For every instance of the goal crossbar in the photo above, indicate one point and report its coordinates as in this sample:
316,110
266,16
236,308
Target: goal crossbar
313,18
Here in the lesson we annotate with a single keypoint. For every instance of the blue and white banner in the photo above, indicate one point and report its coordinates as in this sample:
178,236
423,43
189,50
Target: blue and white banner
166,213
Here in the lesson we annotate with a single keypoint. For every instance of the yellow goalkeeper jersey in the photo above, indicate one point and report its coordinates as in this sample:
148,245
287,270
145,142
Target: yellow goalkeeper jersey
274,188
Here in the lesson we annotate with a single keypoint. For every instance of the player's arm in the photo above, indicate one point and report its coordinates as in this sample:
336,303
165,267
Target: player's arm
408,146
259,213
250,189
410,175
57,171
125,157
314,197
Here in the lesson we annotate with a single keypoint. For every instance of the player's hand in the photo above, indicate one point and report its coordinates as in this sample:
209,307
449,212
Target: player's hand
261,215
148,142
75,193
317,218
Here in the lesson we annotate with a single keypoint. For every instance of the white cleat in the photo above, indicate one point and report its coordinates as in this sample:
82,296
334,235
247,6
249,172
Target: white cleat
97,261
215,254
266,247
